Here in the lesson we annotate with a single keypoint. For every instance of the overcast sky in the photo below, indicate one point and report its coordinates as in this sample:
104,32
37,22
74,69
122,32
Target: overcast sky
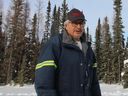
93,10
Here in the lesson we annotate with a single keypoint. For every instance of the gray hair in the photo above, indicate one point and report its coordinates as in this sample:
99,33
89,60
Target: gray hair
66,22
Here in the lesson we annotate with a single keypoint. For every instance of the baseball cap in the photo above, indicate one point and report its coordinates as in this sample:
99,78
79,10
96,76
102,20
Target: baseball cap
75,15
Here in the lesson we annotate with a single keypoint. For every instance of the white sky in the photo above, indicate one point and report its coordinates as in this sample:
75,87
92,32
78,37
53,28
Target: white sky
93,10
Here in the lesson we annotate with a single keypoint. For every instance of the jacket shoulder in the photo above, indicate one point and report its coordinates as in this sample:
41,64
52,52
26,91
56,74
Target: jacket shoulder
56,39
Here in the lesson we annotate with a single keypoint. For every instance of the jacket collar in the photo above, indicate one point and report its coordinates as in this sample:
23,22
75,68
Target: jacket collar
69,40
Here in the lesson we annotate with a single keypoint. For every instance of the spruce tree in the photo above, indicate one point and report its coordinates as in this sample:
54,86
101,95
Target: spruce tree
2,50
1,22
32,46
126,50
124,73
64,11
107,50
47,24
87,34
118,50
127,43
58,20
33,50
98,51
55,25
54,22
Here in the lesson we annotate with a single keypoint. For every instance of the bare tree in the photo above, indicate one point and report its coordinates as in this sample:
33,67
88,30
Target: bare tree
22,71
16,37
40,18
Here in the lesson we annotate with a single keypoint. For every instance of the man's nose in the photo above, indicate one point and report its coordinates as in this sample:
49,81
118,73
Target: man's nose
78,25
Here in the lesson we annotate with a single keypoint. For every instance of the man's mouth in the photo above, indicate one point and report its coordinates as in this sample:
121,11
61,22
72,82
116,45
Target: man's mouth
78,31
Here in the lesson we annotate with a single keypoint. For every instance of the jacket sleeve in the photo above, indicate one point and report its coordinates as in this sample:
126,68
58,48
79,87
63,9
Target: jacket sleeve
95,87
45,72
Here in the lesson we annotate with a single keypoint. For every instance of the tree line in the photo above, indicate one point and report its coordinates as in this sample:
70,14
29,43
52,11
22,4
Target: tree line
20,41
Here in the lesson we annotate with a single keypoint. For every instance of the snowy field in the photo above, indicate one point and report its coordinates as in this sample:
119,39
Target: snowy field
107,90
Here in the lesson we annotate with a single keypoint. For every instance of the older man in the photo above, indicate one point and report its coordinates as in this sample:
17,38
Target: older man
66,66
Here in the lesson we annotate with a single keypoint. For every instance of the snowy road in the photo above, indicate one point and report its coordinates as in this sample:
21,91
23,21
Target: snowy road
107,90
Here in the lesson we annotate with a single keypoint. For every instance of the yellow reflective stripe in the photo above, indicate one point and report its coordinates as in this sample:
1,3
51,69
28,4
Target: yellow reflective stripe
94,65
49,61
46,63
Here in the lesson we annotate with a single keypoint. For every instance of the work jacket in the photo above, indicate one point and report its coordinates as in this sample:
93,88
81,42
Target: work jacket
63,69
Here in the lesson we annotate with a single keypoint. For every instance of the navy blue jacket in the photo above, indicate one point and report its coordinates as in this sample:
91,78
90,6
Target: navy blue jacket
63,69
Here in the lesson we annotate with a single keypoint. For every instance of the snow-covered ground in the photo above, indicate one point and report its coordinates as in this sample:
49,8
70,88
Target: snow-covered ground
28,90
113,90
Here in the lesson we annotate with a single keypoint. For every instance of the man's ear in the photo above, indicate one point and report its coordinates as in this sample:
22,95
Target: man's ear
65,27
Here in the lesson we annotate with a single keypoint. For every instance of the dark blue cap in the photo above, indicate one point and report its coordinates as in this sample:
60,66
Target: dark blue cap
75,15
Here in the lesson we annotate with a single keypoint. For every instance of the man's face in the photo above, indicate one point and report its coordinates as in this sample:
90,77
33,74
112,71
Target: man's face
75,29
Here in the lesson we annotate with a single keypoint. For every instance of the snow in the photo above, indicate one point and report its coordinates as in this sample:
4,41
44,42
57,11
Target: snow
113,90
28,90
122,74
125,61
27,36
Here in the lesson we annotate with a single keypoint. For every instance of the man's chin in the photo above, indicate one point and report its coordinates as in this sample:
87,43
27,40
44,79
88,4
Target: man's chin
77,37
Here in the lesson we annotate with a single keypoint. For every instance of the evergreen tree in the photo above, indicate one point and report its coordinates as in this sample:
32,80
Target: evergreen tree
32,51
1,22
118,44
88,36
47,24
54,22
107,50
98,51
58,20
127,43
126,50
55,26
2,49
125,74
1,45
64,11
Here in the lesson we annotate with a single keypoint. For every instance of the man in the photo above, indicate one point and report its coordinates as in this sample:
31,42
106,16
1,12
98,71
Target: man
66,66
